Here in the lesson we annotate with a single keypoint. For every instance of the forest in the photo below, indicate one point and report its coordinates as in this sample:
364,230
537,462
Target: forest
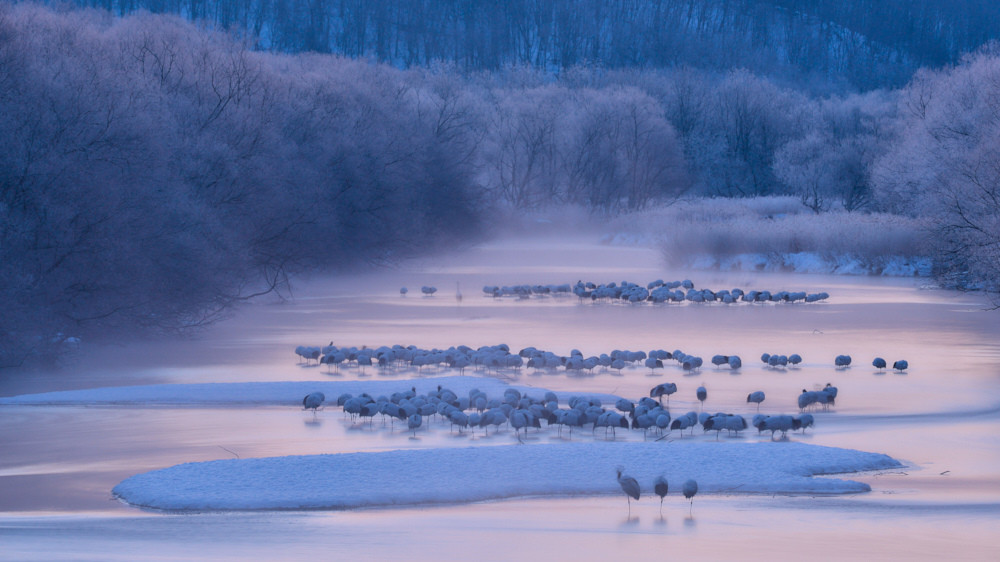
853,44
154,172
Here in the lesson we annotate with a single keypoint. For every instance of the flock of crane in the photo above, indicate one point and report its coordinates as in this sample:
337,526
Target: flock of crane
680,291
522,411
495,358
632,491
499,357
657,291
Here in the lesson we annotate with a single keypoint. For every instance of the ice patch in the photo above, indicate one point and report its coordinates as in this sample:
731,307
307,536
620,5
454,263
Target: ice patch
460,475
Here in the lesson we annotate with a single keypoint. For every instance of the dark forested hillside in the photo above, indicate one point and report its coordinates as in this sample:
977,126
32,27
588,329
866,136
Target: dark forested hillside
856,43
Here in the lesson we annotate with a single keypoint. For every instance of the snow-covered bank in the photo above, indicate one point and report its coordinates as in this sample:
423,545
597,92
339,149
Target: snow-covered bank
273,393
788,262
812,262
776,234
409,477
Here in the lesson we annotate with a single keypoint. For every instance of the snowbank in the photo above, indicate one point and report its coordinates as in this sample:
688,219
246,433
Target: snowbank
776,234
409,477
788,262
272,393
812,262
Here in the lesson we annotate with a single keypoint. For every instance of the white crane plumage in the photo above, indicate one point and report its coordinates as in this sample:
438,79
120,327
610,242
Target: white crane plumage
690,489
630,486
660,487
313,401
413,422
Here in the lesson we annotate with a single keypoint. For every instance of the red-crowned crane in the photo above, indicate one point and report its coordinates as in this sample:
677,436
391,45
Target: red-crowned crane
690,489
660,487
630,486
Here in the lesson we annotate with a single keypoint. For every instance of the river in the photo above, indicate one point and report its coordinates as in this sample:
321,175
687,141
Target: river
941,418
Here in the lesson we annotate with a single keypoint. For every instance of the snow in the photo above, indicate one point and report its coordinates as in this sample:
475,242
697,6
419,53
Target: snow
273,393
791,262
812,262
460,475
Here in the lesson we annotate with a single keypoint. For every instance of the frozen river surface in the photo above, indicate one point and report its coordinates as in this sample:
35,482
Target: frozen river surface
941,419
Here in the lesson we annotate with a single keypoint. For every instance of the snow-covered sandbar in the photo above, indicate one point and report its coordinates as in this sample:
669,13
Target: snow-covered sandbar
459,475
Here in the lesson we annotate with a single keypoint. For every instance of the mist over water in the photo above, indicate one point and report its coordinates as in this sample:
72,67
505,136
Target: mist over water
940,418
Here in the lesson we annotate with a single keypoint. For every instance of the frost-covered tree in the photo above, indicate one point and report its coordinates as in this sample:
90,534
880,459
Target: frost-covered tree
621,151
748,120
808,167
525,130
153,174
609,149
946,165
829,166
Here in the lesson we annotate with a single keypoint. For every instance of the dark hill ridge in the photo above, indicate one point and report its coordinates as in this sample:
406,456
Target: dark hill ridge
859,44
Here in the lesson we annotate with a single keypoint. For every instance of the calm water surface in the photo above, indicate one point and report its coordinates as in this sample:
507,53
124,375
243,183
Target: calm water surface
941,419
